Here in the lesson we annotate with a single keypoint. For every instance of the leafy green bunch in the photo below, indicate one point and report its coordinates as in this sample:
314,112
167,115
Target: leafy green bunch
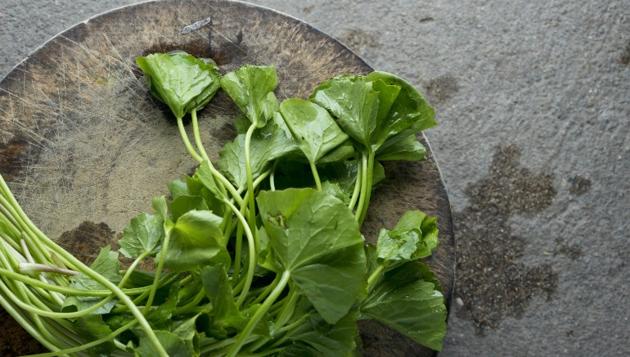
260,255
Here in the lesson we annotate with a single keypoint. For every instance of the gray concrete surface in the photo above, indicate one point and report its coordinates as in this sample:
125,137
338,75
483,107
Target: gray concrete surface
534,143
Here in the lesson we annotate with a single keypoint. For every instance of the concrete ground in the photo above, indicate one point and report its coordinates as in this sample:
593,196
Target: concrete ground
534,144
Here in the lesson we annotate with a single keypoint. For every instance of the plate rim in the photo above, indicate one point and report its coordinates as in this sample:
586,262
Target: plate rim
443,188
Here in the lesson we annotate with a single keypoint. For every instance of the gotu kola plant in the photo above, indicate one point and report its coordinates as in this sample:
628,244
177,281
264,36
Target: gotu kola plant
259,255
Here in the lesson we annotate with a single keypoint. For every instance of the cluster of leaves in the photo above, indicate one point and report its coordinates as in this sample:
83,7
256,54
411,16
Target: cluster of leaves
263,254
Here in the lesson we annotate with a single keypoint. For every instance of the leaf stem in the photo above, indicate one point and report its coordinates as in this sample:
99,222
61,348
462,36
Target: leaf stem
249,277
260,312
74,314
364,184
91,344
224,183
370,180
64,289
238,247
158,270
357,186
184,136
318,182
288,307
74,262
56,297
257,181
267,290
375,276
250,184
197,136
190,306
44,268
17,316
272,176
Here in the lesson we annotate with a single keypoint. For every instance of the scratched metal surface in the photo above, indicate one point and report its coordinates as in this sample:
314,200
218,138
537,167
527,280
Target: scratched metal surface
85,148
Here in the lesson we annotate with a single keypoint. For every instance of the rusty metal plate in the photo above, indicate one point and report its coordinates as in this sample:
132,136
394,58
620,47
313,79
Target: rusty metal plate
76,123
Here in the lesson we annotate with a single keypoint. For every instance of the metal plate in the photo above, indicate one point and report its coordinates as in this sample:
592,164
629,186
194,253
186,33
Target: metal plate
85,148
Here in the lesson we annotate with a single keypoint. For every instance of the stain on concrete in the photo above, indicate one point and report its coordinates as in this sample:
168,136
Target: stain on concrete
571,251
359,40
579,185
426,19
625,55
86,240
442,88
496,284
308,9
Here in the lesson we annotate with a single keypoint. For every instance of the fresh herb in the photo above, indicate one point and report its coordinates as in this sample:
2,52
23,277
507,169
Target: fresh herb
260,255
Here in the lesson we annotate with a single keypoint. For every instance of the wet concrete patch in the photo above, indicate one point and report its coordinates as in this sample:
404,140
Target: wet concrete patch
442,88
579,185
308,9
571,251
625,55
494,283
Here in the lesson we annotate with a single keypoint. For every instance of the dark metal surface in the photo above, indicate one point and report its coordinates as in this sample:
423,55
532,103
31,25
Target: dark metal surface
81,141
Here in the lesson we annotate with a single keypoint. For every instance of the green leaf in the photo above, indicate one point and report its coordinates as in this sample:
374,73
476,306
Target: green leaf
196,240
186,203
412,307
204,175
267,144
251,88
174,345
342,152
160,207
313,128
142,235
378,174
177,188
161,314
265,255
353,102
186,329
197,192
180,80
139,278
344,173
218,288
387,95
405,148
92,327
415,236
409,110
106,264
418,270
317,338
335,190
77,303
315,237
